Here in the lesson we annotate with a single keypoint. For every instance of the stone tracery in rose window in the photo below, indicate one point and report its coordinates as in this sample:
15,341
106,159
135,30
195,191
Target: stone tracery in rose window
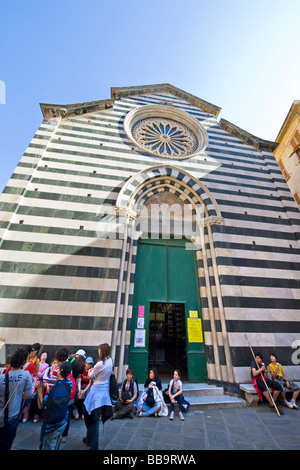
165,137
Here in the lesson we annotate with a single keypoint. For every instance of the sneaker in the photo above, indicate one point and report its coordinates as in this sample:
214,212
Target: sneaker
289,404
25,417
75,413
293,403
172,415
181,416
35,418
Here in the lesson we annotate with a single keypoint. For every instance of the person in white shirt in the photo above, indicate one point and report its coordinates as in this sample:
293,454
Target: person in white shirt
176,395
98,401
15,386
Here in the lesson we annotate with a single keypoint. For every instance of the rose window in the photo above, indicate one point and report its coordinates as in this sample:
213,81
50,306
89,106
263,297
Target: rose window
165,137
165,131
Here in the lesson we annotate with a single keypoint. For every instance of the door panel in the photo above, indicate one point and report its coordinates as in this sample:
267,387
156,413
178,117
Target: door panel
165,272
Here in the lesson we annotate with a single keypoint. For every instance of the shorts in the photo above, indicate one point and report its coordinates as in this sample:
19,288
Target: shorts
282,382
270,383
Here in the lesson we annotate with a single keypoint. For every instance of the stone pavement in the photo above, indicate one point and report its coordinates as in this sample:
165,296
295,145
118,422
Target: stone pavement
249,428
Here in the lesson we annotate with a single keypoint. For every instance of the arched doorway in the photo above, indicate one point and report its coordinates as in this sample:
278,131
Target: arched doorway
205,213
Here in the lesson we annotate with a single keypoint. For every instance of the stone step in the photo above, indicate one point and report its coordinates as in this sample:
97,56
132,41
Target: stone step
214,401
203,396
202,389
195,389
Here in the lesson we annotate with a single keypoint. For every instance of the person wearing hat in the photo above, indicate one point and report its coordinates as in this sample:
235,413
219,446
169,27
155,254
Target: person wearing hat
80,352
83,385
56,409
78,362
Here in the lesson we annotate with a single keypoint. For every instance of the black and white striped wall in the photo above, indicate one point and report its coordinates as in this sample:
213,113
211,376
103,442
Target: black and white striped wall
67,273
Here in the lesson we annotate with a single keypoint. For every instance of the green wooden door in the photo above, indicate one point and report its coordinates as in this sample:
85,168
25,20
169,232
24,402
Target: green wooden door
166,272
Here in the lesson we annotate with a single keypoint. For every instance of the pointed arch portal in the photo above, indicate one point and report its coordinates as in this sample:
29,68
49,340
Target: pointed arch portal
167,273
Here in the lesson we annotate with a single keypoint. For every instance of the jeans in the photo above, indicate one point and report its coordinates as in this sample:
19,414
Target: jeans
92,428
52,439
179,400
8,433
150,411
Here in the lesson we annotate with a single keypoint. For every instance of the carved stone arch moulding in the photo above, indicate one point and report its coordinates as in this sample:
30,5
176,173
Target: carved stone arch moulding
130,193
135,192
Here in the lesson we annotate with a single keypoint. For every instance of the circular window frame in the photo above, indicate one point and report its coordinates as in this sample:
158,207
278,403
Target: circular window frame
176,115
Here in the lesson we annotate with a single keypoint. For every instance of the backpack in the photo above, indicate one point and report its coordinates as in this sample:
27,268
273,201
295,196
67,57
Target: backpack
113,388
127,395
150,398
57,405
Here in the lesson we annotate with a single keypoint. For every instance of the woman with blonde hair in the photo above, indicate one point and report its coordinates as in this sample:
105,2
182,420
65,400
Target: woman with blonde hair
98,402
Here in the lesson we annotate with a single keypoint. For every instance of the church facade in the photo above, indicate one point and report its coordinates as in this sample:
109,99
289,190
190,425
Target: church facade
145,222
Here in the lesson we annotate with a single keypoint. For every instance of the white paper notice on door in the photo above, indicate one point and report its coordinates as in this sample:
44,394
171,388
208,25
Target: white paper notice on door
139,338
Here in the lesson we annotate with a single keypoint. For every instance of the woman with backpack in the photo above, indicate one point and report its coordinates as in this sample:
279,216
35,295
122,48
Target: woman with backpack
98,401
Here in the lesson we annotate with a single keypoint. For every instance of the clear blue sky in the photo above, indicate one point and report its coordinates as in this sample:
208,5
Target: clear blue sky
241,55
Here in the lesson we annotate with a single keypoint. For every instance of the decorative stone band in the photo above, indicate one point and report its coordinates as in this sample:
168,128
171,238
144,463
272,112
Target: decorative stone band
212,220
126,212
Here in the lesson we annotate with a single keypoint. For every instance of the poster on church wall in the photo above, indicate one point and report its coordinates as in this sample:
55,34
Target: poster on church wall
141,311
139,338
195,334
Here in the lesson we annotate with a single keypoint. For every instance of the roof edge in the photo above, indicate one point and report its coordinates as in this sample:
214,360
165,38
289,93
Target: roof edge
58,110
121,92
257,142
293,111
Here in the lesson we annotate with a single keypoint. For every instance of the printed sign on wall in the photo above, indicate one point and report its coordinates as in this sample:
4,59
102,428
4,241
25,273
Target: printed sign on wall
195,334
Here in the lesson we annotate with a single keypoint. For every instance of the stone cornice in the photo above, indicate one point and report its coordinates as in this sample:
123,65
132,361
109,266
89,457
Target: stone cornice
248,138
121,92
56,110
294,113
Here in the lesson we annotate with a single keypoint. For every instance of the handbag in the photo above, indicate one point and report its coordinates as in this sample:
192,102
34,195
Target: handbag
166,397
150,398
113,388
185,405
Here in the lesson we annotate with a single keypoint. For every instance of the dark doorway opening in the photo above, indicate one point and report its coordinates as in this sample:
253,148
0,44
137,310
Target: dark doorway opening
167,338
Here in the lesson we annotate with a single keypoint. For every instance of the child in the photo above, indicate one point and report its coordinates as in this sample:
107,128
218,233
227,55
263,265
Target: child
278,374
175,394
84,384
56,412
127,396
153,377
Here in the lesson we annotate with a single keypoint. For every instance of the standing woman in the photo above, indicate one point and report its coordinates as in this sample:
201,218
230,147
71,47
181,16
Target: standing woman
98,402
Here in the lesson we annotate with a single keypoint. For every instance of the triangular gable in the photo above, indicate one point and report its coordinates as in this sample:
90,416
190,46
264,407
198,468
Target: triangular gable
54,110
166,88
